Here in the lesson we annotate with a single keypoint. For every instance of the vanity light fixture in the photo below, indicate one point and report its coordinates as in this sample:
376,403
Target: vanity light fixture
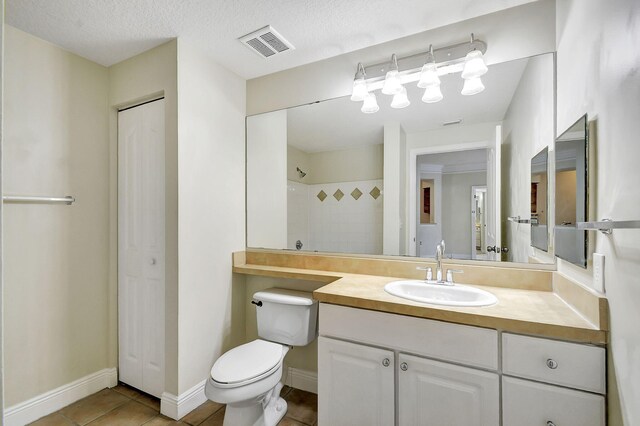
370,104
392,84
465,58
360,90
400,100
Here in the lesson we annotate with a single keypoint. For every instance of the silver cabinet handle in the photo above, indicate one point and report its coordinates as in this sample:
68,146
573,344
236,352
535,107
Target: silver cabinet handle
404,366
386,362
552,364
550,423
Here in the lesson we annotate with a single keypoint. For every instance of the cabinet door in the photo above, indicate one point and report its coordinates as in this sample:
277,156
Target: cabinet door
526,403
355,384
442,394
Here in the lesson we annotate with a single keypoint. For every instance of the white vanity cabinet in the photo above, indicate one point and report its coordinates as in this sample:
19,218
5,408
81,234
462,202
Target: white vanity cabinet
357,384
439,393
377,368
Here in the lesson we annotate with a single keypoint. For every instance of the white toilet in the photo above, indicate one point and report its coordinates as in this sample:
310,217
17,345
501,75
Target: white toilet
247,378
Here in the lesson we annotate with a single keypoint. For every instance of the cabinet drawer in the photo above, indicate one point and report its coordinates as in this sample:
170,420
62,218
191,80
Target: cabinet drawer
526,403
463,344
567,364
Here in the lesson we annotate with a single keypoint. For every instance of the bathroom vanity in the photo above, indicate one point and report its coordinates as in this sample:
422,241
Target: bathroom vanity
536,357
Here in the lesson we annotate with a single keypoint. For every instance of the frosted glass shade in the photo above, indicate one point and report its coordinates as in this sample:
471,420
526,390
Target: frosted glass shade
370,104
359,90
432,94
472,86
474,65
400,99
391,83
429,76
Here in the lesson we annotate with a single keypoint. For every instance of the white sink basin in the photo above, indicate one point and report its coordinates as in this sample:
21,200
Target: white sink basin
439,294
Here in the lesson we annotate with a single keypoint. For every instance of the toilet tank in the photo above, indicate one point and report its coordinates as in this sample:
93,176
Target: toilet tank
286,316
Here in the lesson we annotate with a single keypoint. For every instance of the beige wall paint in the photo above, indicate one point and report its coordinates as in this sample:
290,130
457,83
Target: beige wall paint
56,265
1,210
528,127
598,62
211,155
143,77
514,33
345,165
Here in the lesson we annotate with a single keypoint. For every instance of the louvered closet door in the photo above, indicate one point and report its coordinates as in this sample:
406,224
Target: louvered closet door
141,241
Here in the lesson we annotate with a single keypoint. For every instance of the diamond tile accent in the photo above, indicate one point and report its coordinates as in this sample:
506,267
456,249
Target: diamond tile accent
338,195
321,195
375,192
356,193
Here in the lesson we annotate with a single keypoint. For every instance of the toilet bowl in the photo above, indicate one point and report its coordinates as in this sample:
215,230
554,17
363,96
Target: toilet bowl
247,378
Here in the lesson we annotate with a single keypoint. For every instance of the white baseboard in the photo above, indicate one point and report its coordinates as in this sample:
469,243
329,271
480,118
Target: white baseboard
303,380
176,407
49,402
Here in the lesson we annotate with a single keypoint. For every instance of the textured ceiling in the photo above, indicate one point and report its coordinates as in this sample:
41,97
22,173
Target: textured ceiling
338,123
109,31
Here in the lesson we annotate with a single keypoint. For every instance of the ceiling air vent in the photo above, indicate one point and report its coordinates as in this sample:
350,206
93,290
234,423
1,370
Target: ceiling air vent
266,42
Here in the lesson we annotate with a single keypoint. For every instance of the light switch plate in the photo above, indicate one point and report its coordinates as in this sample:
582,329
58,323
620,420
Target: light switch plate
598,272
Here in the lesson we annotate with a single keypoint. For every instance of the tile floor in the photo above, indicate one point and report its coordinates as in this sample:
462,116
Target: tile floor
126,406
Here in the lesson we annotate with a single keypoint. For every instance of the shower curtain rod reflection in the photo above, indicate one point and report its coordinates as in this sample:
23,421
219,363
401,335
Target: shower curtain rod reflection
25,199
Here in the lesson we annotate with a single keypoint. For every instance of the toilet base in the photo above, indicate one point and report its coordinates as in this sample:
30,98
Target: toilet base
266,412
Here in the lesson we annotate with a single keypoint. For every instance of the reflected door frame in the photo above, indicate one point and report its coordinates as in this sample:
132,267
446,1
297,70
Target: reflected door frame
412,178
474,190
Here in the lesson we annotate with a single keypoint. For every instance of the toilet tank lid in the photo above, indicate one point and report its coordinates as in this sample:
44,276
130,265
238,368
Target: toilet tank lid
285,296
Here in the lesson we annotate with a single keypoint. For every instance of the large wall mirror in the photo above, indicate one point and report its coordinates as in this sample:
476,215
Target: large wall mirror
571,193
326,177
540,200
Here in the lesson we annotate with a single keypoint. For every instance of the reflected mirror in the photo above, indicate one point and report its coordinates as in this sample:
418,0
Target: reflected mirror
539,200
326,177
571,193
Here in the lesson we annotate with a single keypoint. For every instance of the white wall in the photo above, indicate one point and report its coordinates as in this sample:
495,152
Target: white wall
514,33
56,257
267,180
598,63
394,187
456,211
528,127
211,114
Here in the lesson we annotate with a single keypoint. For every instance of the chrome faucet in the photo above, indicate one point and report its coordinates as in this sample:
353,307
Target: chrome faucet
439,256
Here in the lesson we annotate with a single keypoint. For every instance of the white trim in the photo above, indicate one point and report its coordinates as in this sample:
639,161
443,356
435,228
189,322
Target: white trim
176,407
49,402
302,379
413,180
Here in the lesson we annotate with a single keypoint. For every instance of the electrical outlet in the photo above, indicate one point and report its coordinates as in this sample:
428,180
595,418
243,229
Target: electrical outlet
598,272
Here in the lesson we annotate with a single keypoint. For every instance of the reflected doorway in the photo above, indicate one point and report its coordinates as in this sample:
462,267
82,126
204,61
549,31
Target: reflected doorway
479,222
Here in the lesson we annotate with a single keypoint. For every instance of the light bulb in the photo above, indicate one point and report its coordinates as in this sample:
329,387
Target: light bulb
360,90
474,65
472,86
370,105
432,94
429,76
400,99
391,83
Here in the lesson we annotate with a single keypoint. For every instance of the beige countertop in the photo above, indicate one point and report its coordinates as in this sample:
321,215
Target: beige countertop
527,311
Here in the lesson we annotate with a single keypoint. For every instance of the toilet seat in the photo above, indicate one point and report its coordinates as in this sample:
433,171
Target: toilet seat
247,363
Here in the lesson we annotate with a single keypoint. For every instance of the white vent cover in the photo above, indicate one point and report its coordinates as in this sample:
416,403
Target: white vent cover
266,42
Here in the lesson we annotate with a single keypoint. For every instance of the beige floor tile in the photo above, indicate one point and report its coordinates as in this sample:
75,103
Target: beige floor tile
130,414
302,406
163,421
55,419
127,391
215,420
199,415
149,401
94,406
